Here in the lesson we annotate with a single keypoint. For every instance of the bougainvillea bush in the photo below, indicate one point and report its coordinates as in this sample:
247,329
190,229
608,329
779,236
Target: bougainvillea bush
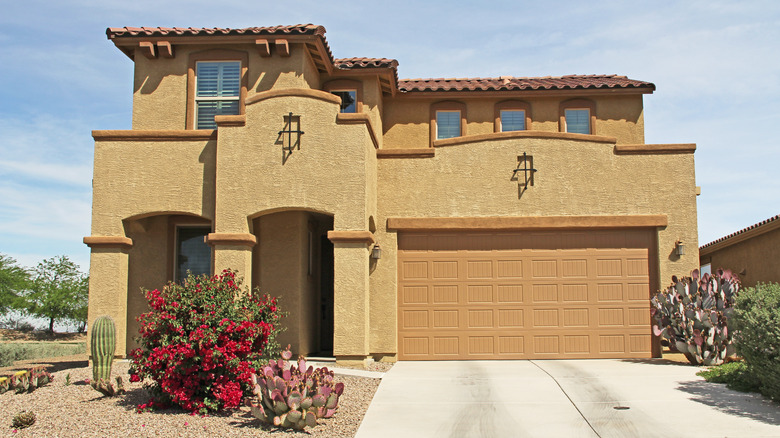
201,342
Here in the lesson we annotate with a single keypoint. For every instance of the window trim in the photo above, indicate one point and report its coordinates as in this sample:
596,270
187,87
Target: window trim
216,55
510,105
448,105
179,220
347,85
573,104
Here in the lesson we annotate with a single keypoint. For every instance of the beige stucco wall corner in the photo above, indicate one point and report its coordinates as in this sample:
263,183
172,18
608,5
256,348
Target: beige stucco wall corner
108,291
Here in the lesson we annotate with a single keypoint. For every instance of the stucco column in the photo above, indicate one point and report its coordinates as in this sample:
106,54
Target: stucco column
233,251
350,295
108,284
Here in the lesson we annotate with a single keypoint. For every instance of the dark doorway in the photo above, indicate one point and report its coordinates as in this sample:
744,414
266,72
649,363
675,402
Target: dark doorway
326,296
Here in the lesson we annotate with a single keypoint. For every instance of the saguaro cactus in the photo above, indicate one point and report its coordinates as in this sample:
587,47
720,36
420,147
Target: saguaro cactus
102,346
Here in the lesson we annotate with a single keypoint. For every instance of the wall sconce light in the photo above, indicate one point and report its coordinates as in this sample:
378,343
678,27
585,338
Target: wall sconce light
376,252
679,248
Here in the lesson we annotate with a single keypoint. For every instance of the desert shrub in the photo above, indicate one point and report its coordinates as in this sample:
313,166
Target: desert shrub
13,351
693,314
757,320
734,374
23,419
201,342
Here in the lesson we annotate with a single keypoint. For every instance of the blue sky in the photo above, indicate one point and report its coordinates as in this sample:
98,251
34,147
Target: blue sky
715,65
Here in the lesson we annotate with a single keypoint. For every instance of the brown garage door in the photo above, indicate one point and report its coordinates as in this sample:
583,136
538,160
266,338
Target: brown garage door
524,295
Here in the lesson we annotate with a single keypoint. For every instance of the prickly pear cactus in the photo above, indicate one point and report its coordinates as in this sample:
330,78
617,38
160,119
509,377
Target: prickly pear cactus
291,396
693,314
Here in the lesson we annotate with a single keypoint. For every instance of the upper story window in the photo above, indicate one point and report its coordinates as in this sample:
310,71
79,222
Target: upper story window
512,120
448,120
512,115
447,124
578,121
216,85
218,90
351,94
577,116
348,100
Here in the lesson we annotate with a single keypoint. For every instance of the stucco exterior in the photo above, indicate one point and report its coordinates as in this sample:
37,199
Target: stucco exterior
752,253
276,214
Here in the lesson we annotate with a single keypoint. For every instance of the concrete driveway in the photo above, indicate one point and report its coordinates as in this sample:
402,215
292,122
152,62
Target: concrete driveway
561,398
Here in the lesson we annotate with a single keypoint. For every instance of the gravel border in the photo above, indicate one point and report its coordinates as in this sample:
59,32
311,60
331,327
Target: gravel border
77,410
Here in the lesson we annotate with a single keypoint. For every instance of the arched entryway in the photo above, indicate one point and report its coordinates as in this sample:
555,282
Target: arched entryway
293,260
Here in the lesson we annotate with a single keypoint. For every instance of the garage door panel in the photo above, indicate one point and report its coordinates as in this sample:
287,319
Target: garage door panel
475,296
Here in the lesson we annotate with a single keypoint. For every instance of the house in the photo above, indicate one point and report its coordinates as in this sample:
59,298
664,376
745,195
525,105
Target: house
752,253
422,219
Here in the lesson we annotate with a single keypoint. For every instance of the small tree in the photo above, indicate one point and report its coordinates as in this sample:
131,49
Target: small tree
13,280
57,291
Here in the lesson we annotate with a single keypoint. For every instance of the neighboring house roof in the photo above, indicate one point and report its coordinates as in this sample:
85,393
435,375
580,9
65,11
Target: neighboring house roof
741,235
503,83
571,82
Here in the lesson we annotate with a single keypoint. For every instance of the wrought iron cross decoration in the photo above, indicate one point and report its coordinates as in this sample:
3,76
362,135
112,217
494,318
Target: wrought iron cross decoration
527,163
289,137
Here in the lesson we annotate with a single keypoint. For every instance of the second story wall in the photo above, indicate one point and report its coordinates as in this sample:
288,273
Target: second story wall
162,91
407,119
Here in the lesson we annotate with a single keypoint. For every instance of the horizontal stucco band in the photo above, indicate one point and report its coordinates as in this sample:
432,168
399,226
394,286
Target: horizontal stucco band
158,135
294,92
406,153
526,223
522,134
351,236
683,148
242,239
230,120
108,242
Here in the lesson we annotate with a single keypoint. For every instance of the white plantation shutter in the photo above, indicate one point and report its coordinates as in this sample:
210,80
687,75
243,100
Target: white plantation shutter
217,92
578,121
447,124
512,120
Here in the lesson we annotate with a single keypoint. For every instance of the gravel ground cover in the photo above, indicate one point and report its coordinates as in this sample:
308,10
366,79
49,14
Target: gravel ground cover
77,410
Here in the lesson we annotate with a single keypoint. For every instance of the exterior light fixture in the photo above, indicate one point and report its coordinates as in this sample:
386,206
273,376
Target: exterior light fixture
376,252
679,248
290,135
525,164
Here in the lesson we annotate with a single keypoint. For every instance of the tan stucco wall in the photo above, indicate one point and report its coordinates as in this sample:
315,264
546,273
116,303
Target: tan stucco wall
160,84
149,177
573,178
407,119
108,292
148,266
282,262
754,259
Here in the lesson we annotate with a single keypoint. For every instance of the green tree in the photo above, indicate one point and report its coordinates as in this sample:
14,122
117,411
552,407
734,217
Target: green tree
57,291
13,280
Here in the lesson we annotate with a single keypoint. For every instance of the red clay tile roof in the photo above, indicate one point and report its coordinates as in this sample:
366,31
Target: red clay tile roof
752,227
511,83
350,63
299,29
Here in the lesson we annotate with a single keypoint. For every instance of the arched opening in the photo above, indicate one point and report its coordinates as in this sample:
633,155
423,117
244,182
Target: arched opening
165,246
293,260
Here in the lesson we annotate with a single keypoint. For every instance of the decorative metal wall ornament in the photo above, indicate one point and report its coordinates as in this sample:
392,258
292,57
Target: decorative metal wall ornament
290,138
525,164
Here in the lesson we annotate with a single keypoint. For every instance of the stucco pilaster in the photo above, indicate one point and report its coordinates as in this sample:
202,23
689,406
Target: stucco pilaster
108,290
350,294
